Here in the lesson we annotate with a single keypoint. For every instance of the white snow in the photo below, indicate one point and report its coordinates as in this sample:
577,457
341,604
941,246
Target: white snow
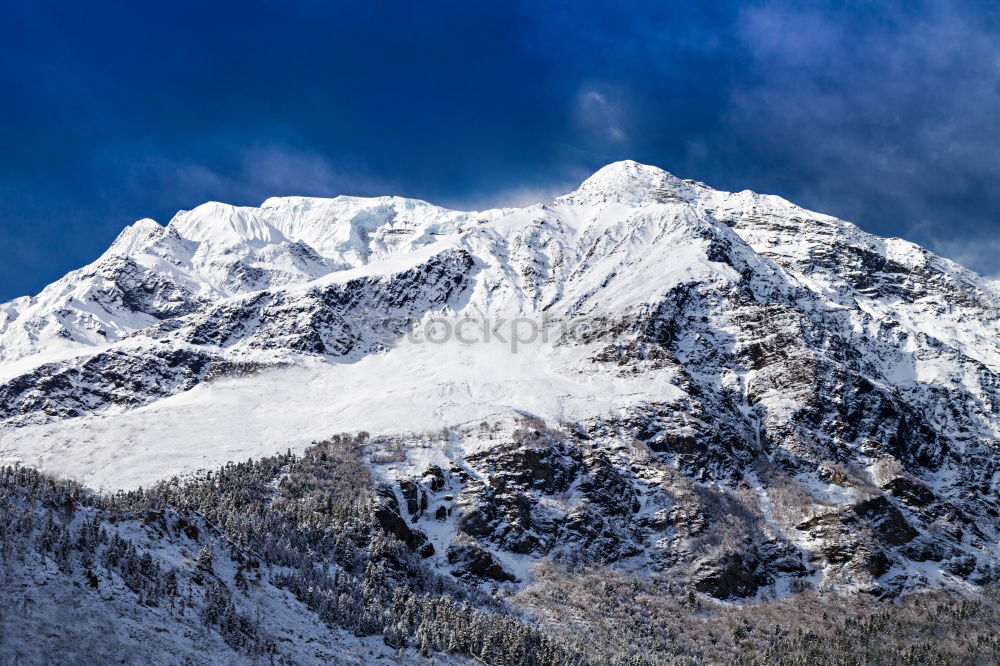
414,387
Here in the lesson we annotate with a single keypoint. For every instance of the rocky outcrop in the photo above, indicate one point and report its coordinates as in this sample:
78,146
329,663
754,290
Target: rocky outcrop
388,516
470,560
120,379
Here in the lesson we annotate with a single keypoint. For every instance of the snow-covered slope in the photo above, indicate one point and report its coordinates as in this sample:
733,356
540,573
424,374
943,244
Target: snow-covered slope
709,354
152,273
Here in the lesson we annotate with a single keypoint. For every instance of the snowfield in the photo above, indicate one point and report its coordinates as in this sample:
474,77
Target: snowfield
415,387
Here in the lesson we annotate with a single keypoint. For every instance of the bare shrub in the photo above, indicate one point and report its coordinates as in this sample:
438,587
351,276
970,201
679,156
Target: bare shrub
885,469
659,622
387,451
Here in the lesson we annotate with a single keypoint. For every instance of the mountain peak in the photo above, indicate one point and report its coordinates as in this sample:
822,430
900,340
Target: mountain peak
135,236
628,182
629,169
223,224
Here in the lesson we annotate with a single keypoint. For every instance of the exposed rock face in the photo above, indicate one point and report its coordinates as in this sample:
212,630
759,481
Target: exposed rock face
470,560
734,576
913,493
391,522
114,378
731,390
886,521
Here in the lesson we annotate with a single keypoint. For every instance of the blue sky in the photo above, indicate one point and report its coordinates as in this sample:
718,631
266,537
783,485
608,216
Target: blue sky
884,114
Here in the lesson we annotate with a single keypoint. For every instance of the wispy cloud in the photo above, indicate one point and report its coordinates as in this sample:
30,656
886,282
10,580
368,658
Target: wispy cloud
252,174
512,197
978,251
601,112
260,171
286,170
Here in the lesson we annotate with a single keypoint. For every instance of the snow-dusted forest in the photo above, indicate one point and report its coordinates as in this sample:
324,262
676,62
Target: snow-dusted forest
306,559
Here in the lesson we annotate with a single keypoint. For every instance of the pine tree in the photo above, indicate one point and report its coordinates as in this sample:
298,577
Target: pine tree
205,557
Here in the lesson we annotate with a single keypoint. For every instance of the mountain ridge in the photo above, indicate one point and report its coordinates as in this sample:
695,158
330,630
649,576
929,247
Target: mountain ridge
708,354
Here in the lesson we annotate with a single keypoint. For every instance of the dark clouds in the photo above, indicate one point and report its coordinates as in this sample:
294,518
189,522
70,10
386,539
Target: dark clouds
886,115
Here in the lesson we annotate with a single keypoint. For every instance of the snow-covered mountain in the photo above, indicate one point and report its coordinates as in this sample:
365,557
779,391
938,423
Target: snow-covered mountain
723,387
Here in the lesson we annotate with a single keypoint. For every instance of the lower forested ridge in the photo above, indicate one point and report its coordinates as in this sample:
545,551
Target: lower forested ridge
305,559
